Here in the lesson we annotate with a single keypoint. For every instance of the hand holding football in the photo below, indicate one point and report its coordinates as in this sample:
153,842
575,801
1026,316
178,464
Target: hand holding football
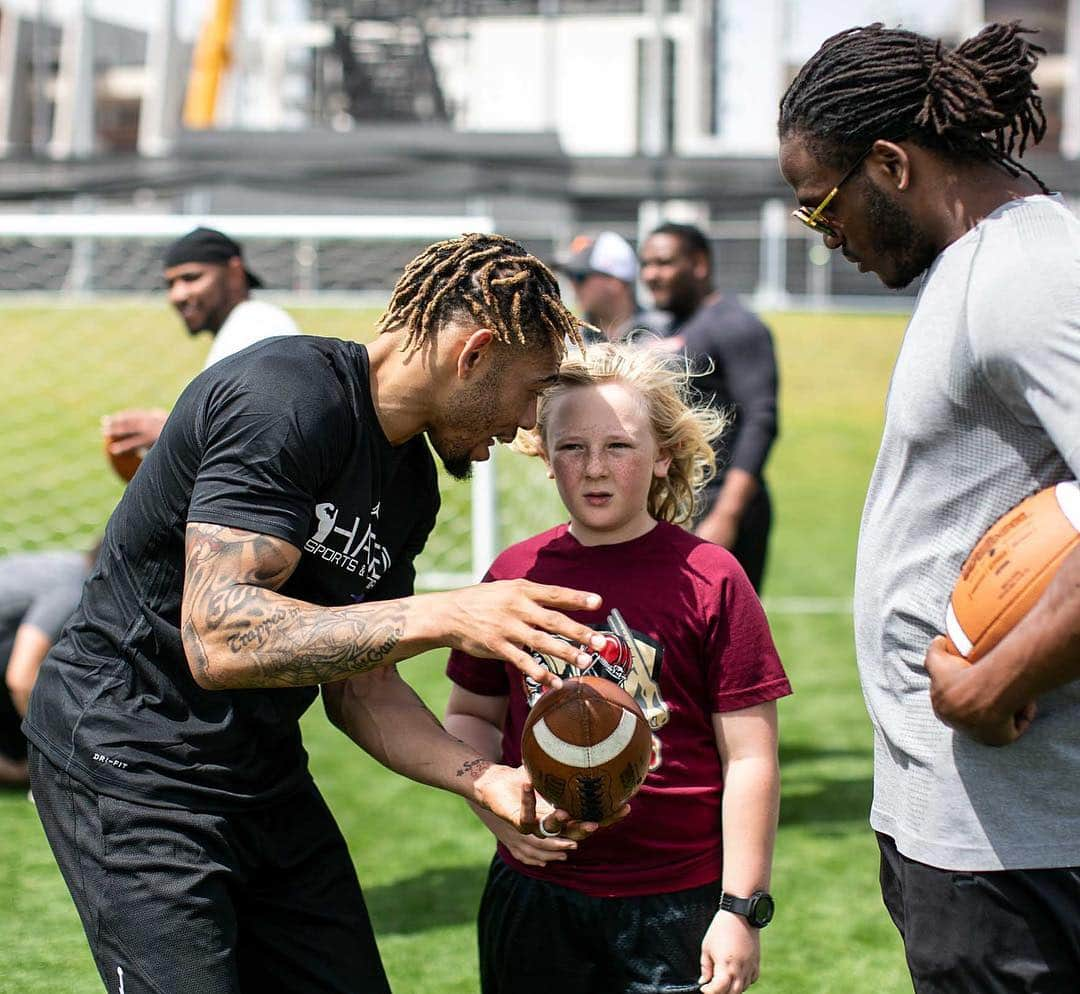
123,463
129,435
1010,567
587,747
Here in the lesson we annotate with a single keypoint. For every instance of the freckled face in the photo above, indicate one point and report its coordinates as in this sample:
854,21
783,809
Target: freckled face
603,455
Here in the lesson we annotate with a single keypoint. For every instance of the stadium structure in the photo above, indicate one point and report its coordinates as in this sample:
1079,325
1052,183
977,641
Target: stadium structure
541,118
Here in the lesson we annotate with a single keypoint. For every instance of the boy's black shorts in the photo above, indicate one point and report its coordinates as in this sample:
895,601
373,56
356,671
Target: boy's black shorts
996,932
182,902
539,938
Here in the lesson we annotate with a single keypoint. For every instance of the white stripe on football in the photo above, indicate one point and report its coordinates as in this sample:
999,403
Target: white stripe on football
582,757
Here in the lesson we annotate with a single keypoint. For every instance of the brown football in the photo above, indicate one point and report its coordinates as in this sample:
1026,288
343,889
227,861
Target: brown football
1010,567
587,747
126,464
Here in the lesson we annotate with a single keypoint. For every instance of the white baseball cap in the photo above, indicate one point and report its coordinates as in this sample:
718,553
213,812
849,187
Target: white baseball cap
606,253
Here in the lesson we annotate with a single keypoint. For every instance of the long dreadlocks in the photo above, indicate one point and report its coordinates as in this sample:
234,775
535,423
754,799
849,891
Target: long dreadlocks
977,100
487,278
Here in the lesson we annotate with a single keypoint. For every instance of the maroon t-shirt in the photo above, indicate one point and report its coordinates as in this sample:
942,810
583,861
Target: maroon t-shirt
702,646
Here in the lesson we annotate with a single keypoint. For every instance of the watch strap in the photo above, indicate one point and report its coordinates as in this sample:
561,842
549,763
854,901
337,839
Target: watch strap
736,905
757,909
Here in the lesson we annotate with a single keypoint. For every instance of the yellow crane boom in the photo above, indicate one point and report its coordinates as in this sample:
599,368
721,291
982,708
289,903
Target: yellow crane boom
210,60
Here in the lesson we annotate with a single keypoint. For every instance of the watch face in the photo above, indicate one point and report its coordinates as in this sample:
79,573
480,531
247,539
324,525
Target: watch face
761,909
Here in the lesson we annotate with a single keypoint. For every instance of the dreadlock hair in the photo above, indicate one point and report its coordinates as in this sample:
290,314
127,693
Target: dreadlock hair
682,423
977,100
485,278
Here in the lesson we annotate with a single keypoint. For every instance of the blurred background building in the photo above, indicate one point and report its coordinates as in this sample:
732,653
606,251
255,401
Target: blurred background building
336,138
540,118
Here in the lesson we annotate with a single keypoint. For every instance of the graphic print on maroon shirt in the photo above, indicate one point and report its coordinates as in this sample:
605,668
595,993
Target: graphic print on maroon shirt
628,659
705,648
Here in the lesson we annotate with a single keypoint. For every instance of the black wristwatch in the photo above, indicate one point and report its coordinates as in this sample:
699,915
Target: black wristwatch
757,909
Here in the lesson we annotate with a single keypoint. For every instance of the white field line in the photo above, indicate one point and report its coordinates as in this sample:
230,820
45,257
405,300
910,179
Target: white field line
807,605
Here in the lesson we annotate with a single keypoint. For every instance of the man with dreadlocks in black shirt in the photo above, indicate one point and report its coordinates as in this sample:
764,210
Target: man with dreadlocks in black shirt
264,551
904,155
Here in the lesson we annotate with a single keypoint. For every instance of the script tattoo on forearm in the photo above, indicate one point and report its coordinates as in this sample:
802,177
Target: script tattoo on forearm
319,647
229,601
474,768
258,634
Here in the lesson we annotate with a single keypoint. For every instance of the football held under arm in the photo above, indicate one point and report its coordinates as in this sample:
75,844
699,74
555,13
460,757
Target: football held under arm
993,701
1036,377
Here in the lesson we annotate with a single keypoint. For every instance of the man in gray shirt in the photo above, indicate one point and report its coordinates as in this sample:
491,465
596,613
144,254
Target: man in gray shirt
39,591
901,153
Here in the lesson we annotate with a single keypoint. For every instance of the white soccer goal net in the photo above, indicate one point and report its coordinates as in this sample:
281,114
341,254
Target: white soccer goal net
88,331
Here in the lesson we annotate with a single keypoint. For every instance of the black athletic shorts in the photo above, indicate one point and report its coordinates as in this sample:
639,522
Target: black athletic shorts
1000,932
540,938
181,902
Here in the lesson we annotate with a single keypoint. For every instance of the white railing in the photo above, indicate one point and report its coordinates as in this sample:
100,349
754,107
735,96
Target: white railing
243,226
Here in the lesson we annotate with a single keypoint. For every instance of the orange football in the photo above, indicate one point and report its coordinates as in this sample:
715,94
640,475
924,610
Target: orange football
1010,567
126,464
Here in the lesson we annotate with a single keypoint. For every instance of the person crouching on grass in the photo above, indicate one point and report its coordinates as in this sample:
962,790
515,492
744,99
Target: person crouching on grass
640,905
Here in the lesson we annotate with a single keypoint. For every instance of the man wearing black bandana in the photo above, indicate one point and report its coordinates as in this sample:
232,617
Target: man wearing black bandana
209,284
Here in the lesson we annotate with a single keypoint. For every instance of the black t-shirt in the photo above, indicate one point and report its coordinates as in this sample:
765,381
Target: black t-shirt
732,350
280,439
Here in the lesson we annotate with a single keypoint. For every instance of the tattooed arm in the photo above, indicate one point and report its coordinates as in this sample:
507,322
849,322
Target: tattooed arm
385,717
239,632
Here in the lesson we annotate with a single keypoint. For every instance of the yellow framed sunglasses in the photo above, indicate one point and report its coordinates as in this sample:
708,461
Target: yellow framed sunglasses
813,218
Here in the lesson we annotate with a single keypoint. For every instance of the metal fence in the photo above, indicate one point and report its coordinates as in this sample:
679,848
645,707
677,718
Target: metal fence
82,337
770,259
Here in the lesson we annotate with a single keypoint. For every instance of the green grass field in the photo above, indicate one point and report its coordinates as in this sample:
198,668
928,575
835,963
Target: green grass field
420,854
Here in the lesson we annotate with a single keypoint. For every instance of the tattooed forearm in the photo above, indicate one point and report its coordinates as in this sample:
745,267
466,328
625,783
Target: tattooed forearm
196,654
327,645
239,633
473,768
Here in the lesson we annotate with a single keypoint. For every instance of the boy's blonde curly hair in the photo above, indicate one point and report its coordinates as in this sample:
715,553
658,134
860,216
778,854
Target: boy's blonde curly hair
682,425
